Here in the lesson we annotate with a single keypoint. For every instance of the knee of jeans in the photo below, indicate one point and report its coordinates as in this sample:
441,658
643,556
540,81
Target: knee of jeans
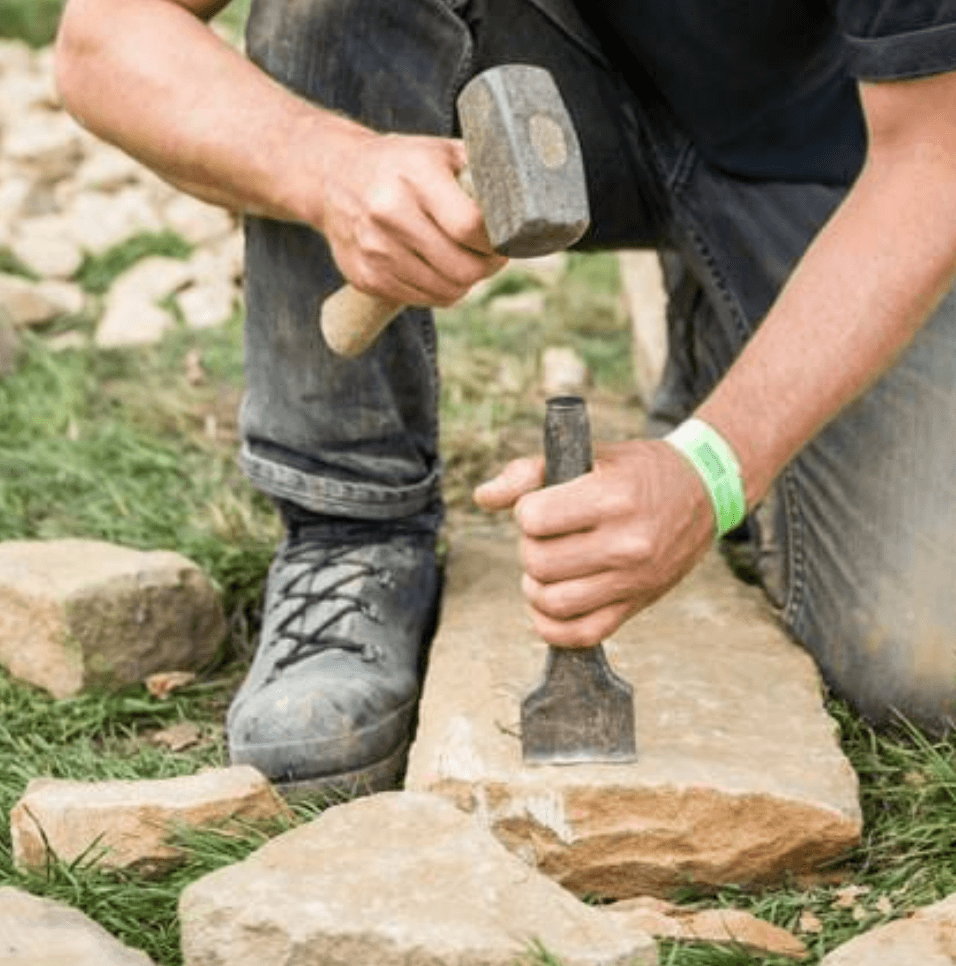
889,676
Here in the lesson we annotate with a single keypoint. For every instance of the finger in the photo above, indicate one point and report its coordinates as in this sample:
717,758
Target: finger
563,508
517,478
586,631
569,599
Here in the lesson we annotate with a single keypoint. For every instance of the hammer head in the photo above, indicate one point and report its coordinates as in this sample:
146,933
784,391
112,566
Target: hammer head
524,159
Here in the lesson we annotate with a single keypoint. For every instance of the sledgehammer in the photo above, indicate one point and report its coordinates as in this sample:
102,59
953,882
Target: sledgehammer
524,170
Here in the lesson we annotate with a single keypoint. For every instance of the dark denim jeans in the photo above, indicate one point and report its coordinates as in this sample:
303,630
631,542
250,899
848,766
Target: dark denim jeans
856,545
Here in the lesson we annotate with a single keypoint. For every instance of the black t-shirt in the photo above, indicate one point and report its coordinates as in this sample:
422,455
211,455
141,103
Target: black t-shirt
767,88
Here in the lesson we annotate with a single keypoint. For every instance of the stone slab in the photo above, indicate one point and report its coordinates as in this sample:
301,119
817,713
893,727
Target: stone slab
740,777
395,879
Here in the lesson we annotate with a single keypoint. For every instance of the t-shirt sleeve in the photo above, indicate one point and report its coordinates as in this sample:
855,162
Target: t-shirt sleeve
896,39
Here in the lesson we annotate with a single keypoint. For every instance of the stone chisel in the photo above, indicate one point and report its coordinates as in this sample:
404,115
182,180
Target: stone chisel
581,712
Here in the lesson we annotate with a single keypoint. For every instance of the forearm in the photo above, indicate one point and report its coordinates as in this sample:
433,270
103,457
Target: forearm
865,286
152,77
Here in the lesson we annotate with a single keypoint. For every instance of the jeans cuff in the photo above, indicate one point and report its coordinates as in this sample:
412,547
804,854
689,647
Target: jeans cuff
365,501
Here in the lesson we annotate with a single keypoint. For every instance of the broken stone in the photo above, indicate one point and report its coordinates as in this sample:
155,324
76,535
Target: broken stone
127,824
132,320
646,302
163,684
153,278
25,303
44,246
197,221
47,141
177,737
739,779
396,879
106,169
41,932
927,938
208,305
98,220
76,613
732,927
563,372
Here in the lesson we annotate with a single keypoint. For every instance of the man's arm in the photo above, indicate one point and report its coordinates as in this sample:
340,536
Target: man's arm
150,76
602,547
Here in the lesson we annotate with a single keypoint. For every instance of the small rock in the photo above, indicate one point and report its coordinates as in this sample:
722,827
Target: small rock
106,169
927,938
153,278
197,221
162,685
40,932
208,305
127,824
44,246
47,143
177,737
14,192
76,613
131,316
98,220
132,320
733,927
563,372
395,879
67,341
25,303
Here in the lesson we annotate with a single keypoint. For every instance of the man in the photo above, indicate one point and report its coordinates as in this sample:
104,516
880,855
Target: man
794,159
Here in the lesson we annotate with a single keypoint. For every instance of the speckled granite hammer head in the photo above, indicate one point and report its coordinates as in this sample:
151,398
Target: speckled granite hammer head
525,160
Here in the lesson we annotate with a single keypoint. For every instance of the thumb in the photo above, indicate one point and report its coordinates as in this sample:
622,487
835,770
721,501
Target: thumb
517,478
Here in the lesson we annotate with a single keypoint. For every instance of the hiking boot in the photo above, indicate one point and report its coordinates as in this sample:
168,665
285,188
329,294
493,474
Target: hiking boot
330,700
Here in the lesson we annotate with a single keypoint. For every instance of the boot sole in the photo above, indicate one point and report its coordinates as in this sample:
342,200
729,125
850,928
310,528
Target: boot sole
381,776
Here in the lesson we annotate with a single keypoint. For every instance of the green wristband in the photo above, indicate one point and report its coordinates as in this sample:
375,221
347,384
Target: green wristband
713,459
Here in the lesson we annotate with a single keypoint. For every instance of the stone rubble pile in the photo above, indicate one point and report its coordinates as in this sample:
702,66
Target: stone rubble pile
66,195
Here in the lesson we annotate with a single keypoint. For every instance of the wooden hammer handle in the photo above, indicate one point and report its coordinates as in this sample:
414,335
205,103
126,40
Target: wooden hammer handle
352,320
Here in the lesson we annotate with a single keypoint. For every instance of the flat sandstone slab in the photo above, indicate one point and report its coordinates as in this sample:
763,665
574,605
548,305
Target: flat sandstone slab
740,778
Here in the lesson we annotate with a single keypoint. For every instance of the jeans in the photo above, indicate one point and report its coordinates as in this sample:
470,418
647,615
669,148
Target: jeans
855,545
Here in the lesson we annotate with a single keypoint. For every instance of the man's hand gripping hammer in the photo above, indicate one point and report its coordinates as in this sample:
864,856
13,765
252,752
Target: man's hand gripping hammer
524,170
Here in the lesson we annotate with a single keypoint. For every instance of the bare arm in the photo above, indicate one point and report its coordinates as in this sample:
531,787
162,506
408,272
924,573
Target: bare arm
150,76
866,285
602,547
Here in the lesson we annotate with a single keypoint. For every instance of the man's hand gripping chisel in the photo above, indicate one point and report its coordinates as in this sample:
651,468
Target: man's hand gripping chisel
524,170
581,711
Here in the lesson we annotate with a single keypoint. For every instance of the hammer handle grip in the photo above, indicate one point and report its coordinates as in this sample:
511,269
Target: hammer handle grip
352,320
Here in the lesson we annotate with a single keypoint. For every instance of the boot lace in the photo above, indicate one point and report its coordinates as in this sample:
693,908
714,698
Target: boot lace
305,589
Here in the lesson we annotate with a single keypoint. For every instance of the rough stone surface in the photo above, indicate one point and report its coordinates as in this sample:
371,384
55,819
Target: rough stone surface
395,879
26,303
79,612
740,778
646,302
927,938
732,927
207,305
124,824
40,932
